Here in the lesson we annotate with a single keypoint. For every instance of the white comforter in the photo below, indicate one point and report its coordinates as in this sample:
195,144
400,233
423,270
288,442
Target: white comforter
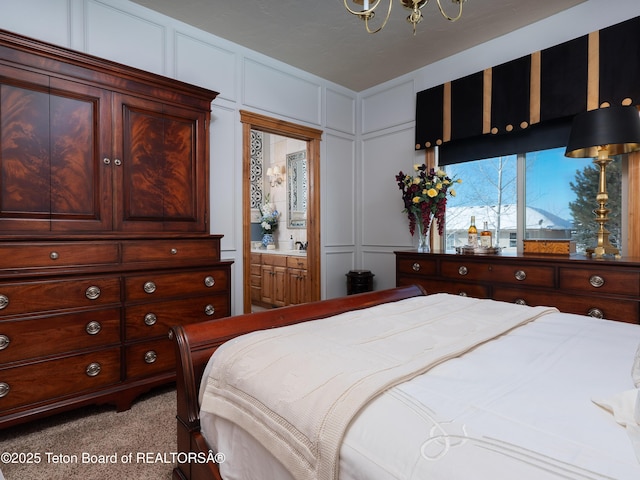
520,404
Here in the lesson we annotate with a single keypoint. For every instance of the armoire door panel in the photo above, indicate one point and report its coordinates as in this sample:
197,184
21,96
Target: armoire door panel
81,178
162,175
24,155
53,139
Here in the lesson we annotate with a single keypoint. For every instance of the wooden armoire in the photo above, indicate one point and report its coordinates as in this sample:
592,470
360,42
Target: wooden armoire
104,228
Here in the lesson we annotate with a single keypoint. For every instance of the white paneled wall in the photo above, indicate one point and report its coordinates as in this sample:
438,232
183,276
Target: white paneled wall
368,136
127,33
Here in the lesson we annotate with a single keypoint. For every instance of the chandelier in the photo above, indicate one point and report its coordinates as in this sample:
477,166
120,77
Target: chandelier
365,10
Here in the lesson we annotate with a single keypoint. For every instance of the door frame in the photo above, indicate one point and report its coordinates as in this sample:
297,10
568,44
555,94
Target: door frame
253,121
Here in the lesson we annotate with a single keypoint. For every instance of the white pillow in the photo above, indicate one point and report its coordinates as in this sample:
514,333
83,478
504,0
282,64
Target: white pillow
635,370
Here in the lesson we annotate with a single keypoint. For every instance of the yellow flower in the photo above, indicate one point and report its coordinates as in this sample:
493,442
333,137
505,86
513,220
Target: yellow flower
416,166
432,192
416,180
441,173
452,192
439,186
459,180
416,200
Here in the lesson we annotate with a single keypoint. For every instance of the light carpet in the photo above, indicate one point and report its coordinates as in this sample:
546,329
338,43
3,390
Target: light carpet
96,443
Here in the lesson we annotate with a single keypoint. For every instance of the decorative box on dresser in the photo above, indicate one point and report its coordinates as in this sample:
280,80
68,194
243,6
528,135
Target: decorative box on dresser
104,228
602,288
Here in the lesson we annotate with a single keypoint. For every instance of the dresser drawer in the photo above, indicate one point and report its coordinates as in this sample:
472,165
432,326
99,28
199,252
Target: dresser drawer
170,250
39,337
39,381
38,255
598,281
58,294
436,285
600,307
417,265
149,358
161,285
155,319
463,269
536,275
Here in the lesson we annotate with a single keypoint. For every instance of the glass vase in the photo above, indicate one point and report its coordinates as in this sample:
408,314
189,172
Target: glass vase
423,236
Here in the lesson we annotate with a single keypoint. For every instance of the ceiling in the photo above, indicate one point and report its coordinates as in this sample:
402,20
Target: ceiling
322,38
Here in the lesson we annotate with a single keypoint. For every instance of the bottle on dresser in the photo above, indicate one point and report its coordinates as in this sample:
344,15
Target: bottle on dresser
473,233
485,236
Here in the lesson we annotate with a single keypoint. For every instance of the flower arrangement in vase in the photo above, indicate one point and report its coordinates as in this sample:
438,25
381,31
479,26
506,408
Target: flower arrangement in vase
268,222
425,198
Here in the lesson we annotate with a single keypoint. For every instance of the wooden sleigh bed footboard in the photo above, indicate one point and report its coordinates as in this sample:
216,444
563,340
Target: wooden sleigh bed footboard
196,343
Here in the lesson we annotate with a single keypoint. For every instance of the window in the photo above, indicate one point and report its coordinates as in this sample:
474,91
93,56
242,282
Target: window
536,195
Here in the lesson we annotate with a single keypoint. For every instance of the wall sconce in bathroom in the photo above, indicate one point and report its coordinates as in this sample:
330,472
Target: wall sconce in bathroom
275,175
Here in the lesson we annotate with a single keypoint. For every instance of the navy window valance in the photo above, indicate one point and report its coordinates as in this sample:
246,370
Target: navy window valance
530,100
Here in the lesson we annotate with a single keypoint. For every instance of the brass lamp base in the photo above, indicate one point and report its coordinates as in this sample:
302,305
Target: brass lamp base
603,247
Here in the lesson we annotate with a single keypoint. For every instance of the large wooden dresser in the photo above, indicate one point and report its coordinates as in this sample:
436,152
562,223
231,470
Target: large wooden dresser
607,289
104,228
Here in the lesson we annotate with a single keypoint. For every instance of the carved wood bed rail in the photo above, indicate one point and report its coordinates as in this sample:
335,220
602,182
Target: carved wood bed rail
196,343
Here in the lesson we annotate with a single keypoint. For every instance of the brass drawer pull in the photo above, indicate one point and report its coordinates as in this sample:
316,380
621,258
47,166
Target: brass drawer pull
4,342
596,281
92,292
520,301
595,313
106,161
54,255
150,357
463,270
520,275
415,267
4,301
4,389
463,294
93,327
173,251
149,287
209,281
209,310
150,319
117,162
93,369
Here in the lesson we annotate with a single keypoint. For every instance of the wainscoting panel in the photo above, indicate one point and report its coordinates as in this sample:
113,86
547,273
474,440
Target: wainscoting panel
339,182
340,112
217,73
277,91
111,33
383,156
388,108
338,263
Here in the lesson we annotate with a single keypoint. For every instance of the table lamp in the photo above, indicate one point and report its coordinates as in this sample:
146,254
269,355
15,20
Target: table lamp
599,134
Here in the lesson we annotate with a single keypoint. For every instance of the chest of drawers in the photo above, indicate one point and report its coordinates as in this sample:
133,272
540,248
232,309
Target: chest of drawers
607,289
87,321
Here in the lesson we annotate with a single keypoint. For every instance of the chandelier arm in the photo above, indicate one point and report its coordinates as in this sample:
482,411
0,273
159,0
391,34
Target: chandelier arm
444,14
386,19
363,13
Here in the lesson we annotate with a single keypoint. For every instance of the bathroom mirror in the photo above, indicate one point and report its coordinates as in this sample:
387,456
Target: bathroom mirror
297,189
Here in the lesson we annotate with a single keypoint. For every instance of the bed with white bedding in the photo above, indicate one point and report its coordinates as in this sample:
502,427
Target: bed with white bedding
477,389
